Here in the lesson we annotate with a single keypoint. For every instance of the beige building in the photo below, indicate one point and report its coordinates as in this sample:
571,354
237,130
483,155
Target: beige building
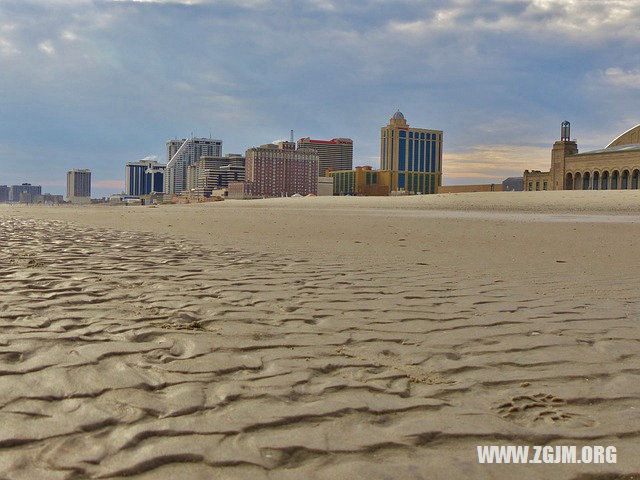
79,186
615,167
334,154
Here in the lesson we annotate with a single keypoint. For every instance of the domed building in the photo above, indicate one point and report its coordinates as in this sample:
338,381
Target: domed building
615,167
410,163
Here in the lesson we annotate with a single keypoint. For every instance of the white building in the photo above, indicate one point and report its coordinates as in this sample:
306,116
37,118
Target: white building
181,154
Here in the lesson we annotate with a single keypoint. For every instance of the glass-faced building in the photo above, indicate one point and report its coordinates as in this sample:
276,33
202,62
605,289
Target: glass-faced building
144,177
413,155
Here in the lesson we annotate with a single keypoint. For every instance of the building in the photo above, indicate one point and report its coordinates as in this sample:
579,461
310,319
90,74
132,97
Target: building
79,186
361,181
278,171
484,187
615,167
24,193
513,184
215,173
181,154
4,193
413,155
325,186
334,154
145,177
48,199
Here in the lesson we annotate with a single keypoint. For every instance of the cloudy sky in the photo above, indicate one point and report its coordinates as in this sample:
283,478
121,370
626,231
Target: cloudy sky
97,83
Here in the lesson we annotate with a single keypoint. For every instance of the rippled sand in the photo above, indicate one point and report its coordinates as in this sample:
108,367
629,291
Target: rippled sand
135,354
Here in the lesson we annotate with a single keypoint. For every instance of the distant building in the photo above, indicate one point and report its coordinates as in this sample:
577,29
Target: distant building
48,199
513,184
413,155
335,154
484,187
181,154
278,171
79,186
4,193
325,186
214,173
144,177
615,167
24,193
361,181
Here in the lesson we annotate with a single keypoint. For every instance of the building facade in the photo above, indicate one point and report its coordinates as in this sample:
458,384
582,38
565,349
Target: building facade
4,193
145,177
24,193
615,167
181,154
414,155
278,171
361,181
79,186
334,154
214,173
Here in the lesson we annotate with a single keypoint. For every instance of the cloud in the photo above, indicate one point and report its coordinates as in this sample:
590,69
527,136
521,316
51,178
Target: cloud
622,78
7,48
47,47
491,161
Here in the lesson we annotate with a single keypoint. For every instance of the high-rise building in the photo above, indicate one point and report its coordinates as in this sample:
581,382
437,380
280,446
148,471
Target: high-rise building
413,155
144,177
278,171
181,154
215,173
79,186
24,193
4,193
334,154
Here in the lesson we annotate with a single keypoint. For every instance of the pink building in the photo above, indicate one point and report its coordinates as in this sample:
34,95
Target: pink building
277,171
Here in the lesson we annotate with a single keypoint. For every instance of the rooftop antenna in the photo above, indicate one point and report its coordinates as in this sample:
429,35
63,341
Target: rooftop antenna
291,136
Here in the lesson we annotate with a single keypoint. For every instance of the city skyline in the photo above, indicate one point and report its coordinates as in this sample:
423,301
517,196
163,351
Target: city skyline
100,84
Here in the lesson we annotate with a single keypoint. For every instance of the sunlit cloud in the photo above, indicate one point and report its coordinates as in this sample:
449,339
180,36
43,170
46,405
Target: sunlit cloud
47,47
490,161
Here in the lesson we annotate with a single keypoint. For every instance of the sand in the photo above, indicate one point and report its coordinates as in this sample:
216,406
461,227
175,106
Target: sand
319,338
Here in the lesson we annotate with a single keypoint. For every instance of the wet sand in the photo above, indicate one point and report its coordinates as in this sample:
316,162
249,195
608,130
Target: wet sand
319,338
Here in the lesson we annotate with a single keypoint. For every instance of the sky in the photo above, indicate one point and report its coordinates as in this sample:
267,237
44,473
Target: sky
99,83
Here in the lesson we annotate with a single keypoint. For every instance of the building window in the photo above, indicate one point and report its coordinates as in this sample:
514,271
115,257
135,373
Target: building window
544,186
537,186
530,186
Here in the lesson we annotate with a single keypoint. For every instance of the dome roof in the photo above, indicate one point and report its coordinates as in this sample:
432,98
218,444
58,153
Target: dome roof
398,115
630,137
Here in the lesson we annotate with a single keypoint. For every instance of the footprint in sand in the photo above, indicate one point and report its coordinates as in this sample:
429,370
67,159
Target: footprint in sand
541,408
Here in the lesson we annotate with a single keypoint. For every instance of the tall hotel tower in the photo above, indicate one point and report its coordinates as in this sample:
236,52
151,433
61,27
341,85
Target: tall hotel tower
413,155
334,154
181,154
79,186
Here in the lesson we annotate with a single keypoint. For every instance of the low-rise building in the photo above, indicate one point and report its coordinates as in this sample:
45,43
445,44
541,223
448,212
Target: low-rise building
361,181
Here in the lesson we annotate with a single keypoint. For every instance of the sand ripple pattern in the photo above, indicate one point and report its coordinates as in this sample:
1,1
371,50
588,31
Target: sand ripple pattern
130,355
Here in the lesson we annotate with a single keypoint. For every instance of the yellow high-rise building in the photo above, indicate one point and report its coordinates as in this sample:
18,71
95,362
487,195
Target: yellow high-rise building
412,155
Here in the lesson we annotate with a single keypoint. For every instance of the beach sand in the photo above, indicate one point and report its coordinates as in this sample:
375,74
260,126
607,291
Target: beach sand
319,338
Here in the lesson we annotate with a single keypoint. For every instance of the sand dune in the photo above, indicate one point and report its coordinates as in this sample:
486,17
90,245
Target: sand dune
127,352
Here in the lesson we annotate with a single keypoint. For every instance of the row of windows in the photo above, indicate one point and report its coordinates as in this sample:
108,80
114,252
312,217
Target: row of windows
545,186
417,182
